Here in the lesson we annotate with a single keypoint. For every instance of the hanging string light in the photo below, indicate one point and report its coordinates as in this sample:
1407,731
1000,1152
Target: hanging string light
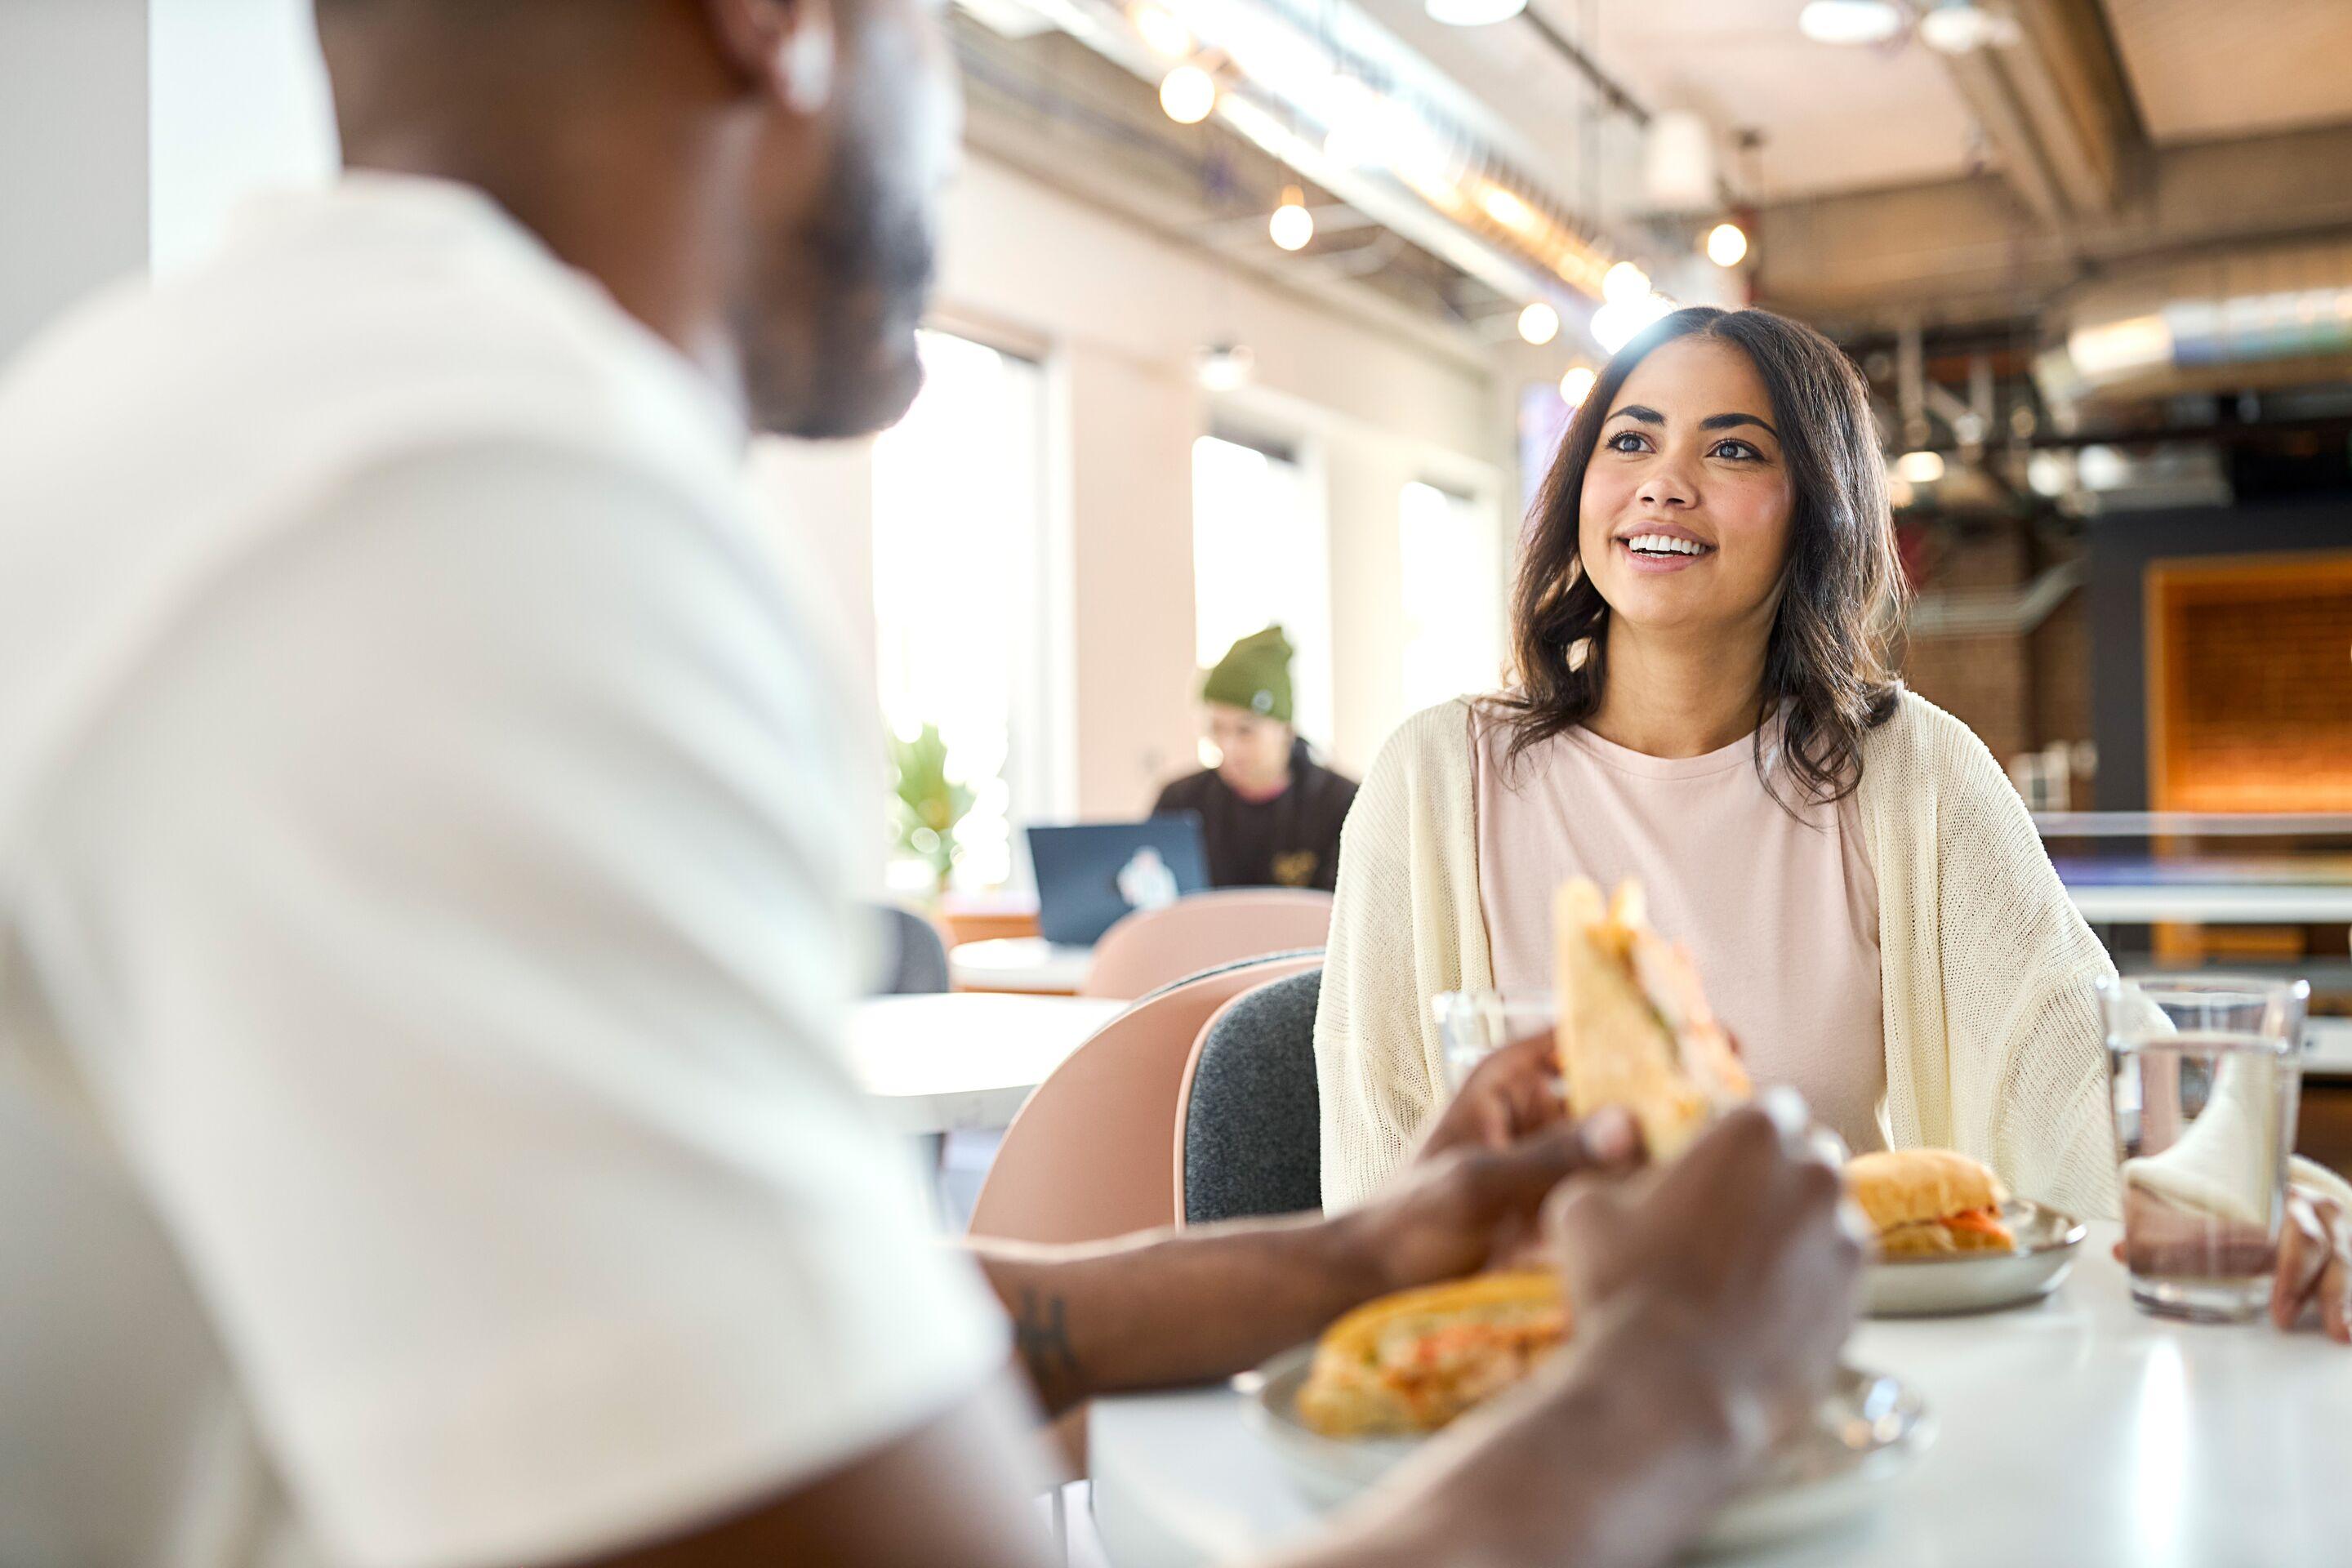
1161,33
1188,94
1292,225
1625,284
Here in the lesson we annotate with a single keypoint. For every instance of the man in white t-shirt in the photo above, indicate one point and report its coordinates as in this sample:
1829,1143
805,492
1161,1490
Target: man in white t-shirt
422,832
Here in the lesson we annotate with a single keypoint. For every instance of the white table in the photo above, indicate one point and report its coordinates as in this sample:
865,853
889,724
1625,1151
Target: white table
2077,1432
1019,964
956,1062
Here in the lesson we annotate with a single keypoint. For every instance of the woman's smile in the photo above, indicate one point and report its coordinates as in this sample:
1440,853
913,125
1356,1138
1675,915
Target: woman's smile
1658,547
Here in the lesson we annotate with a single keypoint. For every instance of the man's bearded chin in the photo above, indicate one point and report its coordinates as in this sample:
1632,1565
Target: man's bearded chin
842,361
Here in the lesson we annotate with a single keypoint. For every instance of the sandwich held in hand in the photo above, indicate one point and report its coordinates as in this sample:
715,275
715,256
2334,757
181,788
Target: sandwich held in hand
1413,1361
1928,1202
1635,1027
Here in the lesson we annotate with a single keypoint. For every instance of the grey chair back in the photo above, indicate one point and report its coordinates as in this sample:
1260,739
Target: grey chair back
1253,1123
915,961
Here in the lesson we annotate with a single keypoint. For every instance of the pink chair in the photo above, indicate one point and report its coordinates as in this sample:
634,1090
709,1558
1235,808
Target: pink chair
1153,948
1087,1159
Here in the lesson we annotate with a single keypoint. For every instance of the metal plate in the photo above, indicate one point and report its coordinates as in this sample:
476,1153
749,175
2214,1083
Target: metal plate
1870,1429
1957,1282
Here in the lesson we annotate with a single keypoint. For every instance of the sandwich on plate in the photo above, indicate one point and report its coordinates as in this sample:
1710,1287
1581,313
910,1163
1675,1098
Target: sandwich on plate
1635,1027
1413,1361
1929,1202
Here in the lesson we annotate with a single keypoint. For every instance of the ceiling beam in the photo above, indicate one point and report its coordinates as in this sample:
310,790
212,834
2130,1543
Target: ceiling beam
1953,252
2056,109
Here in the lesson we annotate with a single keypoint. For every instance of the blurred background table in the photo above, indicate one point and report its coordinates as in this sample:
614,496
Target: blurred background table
1027,964
957,1062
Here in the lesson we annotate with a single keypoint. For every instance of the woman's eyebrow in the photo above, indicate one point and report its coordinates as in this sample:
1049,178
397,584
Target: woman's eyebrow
1728,421
1642,411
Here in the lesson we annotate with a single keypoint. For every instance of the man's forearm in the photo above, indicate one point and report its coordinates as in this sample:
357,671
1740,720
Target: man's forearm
1174,1307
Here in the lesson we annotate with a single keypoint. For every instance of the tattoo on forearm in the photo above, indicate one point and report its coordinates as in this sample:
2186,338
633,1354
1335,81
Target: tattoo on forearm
1041,1332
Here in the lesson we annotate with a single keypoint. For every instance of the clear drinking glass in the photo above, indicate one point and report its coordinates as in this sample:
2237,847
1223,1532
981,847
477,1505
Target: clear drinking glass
1473,1025
2205,1072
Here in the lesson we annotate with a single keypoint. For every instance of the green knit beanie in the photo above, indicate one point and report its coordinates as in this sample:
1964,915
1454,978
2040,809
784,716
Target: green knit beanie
1254,675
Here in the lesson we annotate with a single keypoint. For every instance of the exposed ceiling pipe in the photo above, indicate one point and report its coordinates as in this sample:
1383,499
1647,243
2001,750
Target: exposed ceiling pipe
1618,100
1977,612
2247,318
1911,385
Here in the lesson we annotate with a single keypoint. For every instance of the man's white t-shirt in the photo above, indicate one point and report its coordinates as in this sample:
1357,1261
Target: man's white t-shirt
423,830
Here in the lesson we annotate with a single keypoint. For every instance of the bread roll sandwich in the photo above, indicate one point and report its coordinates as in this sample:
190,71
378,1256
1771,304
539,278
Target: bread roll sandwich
1413,1361
1635,1027
1928,1202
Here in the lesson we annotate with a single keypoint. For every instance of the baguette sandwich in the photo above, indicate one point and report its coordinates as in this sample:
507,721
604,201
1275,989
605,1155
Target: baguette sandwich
1413,1361
1635,1027
1928,1202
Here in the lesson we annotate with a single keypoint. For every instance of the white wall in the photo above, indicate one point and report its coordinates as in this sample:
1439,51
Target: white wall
1119,314
73,155
130,128
239,104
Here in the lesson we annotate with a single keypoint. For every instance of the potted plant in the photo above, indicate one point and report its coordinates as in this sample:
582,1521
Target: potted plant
926,804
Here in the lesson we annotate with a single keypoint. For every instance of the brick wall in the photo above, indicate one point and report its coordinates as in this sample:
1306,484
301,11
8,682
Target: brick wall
2255,690
2019,692
1985,681
2062,673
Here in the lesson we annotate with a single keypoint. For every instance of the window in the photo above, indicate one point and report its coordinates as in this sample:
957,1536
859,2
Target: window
961,566
1452,595
1261,555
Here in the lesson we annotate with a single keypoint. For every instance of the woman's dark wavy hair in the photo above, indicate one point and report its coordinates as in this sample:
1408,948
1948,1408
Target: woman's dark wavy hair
1842,597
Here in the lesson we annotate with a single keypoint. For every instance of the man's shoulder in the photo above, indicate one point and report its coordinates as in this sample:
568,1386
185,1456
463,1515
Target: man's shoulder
158,441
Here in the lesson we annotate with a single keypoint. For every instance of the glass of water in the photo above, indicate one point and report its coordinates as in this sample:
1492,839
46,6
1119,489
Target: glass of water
2205,1071
1473,1025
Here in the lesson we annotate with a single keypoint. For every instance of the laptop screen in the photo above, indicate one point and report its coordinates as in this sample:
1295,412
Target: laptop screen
1091,874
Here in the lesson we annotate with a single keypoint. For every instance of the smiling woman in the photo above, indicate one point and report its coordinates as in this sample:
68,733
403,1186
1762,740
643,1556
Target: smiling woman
1749,436
1704,701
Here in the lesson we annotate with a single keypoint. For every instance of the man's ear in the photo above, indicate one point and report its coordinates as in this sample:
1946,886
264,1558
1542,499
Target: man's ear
784,48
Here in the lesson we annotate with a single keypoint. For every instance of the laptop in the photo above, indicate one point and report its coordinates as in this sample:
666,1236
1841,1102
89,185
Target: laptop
1092,873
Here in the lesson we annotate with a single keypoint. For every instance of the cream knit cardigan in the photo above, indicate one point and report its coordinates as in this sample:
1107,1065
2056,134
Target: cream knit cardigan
1992,1033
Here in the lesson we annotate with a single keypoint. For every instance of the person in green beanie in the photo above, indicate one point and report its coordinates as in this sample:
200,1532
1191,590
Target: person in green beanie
1270,812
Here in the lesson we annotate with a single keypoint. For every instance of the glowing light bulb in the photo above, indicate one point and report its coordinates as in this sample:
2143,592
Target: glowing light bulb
1506,209
1727,245
1624,283
1225,367
1921,468
1161,33
1188,94
1577,385
1472,13
1962,27
1538,323
1292,224
1850,21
